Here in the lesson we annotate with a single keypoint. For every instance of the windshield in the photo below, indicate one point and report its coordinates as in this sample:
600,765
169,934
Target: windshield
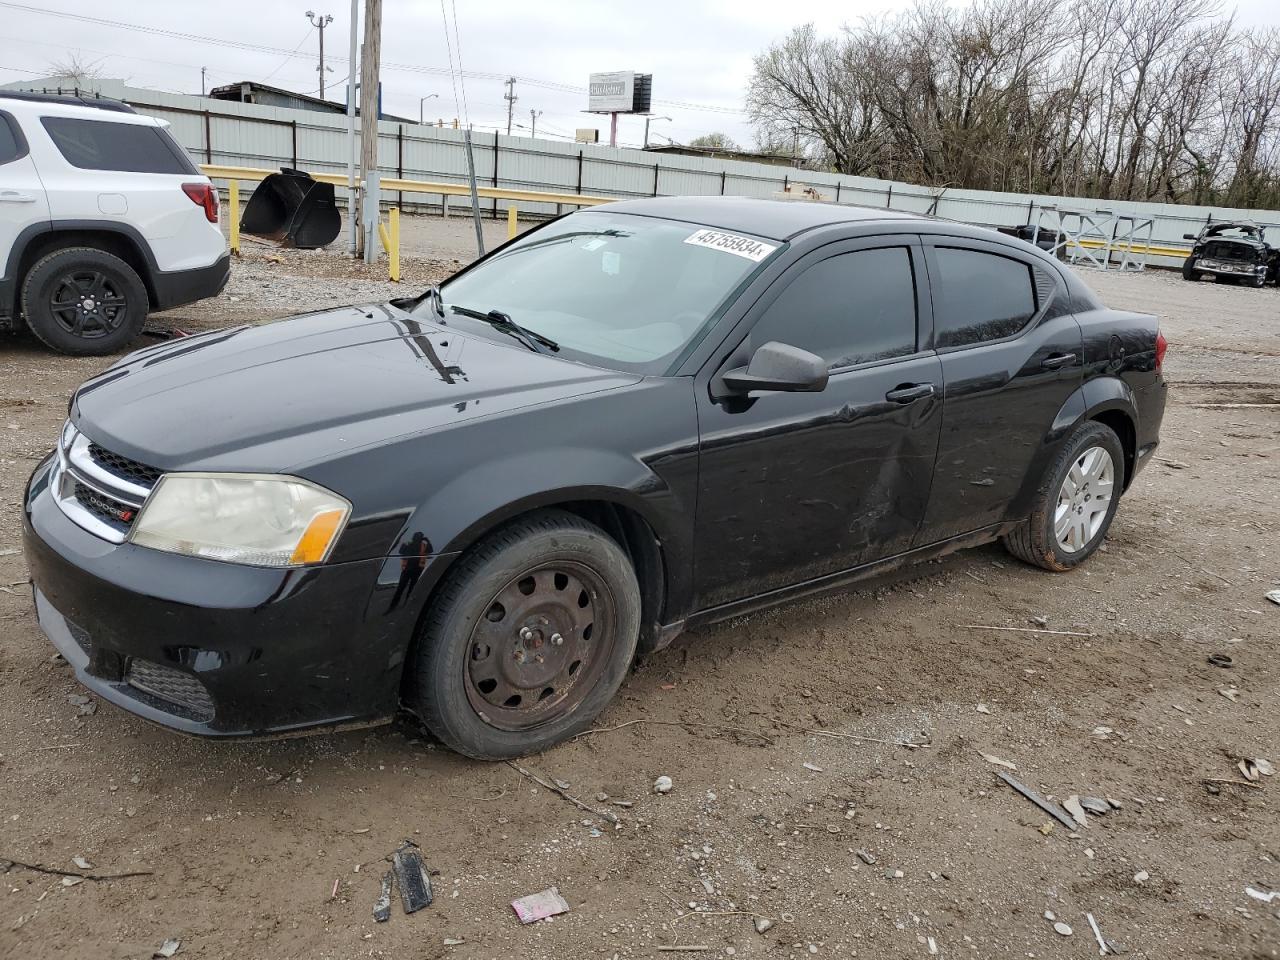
622,291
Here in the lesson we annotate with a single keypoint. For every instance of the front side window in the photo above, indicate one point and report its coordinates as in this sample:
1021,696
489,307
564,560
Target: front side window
623,291
851,308
11,145
124,147
980,297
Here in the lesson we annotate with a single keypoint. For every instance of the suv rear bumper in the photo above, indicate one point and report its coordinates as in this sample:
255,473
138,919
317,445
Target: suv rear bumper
174,288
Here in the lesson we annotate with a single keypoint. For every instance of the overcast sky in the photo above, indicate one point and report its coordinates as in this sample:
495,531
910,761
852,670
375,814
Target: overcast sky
699,51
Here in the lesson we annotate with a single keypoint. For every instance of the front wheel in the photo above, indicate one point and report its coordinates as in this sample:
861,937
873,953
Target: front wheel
1189,271
529,638
1075,503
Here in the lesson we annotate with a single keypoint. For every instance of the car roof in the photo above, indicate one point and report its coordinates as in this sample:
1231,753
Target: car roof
774,219
22,104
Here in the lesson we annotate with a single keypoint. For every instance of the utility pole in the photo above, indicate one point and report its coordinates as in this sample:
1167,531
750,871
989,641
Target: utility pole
351,132
370,59
421,101
320,23
511,98
646,128
202,72
533,122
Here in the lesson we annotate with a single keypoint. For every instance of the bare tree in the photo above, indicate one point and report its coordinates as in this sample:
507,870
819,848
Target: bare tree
75,70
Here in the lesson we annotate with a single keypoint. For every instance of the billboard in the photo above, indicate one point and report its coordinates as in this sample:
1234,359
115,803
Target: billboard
622,91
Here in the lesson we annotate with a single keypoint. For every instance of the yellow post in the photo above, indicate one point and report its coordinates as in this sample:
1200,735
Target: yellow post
511,221
233,203
394,216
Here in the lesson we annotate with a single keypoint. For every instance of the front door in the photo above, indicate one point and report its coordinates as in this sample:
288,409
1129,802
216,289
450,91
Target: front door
22,203
797,486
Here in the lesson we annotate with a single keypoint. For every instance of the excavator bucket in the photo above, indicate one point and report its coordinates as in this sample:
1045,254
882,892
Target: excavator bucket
292,209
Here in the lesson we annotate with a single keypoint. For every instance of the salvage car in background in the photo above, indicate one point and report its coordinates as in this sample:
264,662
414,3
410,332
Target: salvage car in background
481,503
1230,252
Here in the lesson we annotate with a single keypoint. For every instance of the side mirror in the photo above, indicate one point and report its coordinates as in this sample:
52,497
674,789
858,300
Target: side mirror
779,367
1189,236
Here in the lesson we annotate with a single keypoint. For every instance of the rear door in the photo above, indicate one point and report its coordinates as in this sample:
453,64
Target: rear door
797,486
1011,356
22,203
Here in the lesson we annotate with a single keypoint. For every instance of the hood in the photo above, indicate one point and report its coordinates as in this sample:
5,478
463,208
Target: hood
298,391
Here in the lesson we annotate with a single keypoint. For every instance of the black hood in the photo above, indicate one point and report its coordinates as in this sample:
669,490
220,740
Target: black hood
298,391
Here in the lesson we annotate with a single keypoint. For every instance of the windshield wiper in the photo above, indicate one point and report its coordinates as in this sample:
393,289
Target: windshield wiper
501,321
432,293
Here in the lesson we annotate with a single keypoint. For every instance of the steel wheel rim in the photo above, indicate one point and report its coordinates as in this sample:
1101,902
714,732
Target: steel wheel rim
1084,500
88,304
539,645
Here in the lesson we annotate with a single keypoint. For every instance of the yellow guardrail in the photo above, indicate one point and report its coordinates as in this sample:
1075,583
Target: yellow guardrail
391,238
1149,249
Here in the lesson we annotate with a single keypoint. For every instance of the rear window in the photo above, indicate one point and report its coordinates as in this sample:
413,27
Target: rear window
126,147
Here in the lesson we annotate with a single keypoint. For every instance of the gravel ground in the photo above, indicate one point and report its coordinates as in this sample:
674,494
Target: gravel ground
791,802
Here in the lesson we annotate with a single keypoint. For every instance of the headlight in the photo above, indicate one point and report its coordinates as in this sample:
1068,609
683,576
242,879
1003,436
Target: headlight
256,519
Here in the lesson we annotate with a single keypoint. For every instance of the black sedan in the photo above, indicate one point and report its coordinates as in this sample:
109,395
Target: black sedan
481,504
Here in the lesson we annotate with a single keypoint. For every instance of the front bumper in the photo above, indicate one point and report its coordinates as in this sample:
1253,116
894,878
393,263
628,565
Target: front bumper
212,648
1226,268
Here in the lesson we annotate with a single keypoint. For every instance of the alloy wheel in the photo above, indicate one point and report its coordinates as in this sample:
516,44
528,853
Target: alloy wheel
540,646
1084,499
87,304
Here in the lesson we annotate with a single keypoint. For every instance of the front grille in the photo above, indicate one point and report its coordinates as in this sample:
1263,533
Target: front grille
123,467
177,689
114,513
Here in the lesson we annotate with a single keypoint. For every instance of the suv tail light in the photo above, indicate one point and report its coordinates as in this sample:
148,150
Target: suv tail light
1162,346
203,195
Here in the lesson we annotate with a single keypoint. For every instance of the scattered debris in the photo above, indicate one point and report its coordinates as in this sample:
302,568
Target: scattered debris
1231,693
763,925
7,863
602,814
1050,916
1049,808
168,948
333,894
983,708
539,906
382,908
412,878
866,857
1211,781
82,863
933,946
1141,876
1252,769
662,785
684,948
1266,897
1062,929
812,766
1103,948
71,881
990,758
1057,633
454,941
1219,660
1072,806
1096,805
1274,596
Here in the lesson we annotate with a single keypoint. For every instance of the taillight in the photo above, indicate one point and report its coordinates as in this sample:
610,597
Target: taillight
1162,345
203,195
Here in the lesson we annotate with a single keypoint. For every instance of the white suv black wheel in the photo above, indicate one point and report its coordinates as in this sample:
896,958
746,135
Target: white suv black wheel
84,301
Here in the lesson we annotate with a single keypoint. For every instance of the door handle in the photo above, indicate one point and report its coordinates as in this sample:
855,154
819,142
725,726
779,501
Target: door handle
16,196
1057,360
910,392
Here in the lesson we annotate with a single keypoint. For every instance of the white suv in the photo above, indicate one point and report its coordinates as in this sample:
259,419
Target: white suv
103,218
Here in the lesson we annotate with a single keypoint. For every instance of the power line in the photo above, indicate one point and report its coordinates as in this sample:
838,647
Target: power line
462,74
283,63
444,18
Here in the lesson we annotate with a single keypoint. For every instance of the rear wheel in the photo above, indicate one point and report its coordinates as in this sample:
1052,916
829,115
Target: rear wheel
1075,502
84,302
1189,271
529,639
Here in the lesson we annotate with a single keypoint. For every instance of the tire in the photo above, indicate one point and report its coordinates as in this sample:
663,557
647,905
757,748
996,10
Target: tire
104,302
487,639
1189,271
1035,540
1258,282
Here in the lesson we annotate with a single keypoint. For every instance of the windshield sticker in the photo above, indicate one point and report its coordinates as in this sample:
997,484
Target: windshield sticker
739,246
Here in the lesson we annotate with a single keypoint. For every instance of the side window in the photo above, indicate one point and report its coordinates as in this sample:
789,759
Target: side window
983,297
12,146
105,145
851,308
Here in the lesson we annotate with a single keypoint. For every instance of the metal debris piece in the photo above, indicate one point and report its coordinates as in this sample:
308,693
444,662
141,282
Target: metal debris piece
1051,809
539,906
168,948
82,863
1264,767
812,766
1231,693
1072,806
1103,950
866,858
1219,660
77,699
1264,896
71,881
1248,769
1101,732
983,708
412,878
382,908
1274,596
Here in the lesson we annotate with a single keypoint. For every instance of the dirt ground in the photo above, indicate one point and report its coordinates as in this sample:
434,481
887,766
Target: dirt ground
271,850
